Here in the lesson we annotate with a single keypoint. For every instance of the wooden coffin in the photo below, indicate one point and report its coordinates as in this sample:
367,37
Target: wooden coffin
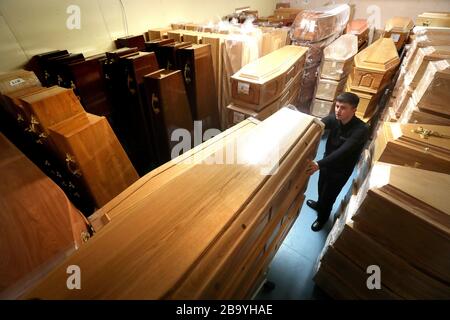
412,114
433,91
318,24
259,83
157,33
364,251
368,103
375,66
407,210
410,145
329,89
168,110
337,60
434,19
16,80
193,37
130,42
359,28
167,54
39,65
230,244
86,78
49,107
92,153
40,226
322,108
398,29
423,57
176,35
198,74
343,279
59,74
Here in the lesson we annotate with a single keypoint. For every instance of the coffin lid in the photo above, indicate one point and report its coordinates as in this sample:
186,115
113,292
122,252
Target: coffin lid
343,48
426,186
271,65
399,24
357,26
436,52
380,56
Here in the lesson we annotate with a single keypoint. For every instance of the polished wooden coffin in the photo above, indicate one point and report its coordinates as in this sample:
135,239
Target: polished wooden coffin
40,66
318,24
398,29
259,83
92,153
433,91
58,72
359,28
412,114
40,226
375,66
368,103
169,109
337,60
131,41
407,210
414,145
157,33
49,107
179,249
434,19
198,74
167,54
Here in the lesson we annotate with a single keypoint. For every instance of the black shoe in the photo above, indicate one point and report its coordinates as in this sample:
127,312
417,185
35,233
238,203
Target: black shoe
312,204
317,225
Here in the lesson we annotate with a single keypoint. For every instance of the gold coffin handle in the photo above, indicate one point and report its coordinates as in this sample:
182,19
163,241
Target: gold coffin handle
155,103
70,163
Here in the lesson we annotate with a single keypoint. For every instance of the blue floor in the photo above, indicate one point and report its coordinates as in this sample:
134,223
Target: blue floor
292,267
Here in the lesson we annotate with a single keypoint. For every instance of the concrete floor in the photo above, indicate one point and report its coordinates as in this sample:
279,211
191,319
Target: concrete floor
292,267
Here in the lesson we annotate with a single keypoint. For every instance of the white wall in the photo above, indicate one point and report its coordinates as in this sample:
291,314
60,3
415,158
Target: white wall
31,27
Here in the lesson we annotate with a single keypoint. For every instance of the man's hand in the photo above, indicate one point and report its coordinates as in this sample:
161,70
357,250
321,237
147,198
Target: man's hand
312,167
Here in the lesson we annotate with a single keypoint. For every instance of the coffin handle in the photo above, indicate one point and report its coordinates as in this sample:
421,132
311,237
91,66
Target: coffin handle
70,162
187,73
155,104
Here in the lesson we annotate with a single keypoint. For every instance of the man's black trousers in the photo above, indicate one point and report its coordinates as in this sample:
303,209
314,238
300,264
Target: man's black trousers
330,185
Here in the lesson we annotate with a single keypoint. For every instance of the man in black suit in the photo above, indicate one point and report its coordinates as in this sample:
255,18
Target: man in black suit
347,137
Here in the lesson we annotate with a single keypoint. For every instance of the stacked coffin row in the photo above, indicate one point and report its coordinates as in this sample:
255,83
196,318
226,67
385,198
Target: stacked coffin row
81,146
267,84
316,29
336,65
398,29
255,198
422,91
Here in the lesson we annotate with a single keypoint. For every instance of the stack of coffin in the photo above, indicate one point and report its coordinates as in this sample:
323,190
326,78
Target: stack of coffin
400,225
428,103
434,19
336,65
84,75
264,86
374,68
414,145
236,198
316,29
359,28
84,143
398,29
131,42
40,226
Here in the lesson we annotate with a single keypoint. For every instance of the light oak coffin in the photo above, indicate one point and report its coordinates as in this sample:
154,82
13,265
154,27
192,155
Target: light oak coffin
39,227
412,114
198,230
92,153
398,29
434,19
13,81
375,66
410,145
262,81
407,211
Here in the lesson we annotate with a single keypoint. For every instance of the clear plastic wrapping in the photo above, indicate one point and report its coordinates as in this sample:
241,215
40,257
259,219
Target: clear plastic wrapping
338,57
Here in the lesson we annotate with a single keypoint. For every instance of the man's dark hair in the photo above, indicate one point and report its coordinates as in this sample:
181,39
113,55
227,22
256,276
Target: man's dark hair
348,97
